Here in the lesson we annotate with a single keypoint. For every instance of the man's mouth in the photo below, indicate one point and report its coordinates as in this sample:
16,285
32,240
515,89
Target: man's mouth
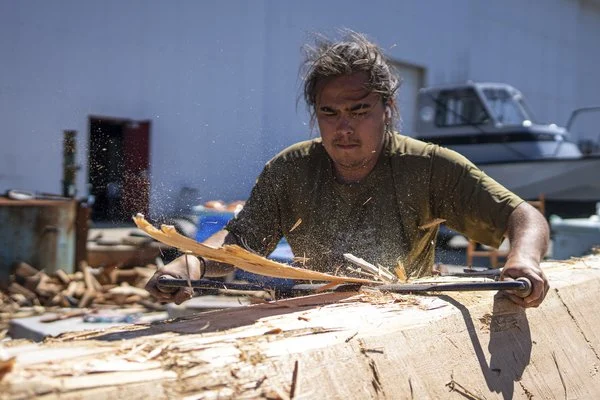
346,146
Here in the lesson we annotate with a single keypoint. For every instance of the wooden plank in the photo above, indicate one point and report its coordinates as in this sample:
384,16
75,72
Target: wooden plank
340,345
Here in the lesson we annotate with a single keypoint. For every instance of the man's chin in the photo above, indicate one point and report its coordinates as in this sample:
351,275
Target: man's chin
350,165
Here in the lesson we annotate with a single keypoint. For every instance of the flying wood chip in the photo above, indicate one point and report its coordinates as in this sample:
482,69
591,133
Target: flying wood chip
6,366
237,256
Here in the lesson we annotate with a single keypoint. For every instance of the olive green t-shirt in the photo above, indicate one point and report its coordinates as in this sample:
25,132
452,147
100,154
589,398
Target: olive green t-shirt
378,219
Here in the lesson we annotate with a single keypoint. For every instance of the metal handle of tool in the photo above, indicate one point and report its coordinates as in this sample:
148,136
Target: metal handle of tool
520,286
471,273
169,283
527,287
162,284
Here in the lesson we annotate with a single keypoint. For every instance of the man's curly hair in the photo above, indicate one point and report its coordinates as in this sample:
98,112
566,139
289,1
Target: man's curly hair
353,53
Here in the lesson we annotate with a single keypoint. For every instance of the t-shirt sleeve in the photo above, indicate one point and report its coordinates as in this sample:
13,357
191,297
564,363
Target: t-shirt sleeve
471,202
258,225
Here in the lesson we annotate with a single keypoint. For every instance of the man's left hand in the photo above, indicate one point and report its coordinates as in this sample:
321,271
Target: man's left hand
531,270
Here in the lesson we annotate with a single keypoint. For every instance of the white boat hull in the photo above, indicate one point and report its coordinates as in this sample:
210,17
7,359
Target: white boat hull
558,179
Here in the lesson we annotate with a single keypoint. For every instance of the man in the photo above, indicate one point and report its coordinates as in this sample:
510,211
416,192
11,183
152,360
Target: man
363,189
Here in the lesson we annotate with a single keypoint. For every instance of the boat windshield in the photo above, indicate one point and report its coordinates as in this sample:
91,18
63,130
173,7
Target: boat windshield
506,108
459,107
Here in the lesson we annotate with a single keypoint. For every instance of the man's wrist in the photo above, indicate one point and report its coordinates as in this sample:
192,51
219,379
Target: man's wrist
202,266
519,257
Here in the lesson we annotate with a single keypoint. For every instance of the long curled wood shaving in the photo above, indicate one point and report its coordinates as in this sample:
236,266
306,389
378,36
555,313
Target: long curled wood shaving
237,256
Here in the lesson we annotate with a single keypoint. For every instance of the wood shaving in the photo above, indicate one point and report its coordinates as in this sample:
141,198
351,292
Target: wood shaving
401,272
432,223
297,224
6,363
236,255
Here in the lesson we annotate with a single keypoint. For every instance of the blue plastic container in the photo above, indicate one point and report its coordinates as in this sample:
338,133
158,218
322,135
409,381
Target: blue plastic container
210,222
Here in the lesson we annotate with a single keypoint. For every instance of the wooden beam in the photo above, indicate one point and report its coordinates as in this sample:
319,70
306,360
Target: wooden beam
339,345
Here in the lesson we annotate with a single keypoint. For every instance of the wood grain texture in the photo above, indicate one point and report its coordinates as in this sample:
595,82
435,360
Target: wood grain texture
338,346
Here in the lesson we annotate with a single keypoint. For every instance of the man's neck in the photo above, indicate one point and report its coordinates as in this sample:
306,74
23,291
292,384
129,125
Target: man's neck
353,175
349,175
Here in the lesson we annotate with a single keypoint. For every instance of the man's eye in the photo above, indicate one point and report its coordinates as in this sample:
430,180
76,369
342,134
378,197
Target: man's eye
359,113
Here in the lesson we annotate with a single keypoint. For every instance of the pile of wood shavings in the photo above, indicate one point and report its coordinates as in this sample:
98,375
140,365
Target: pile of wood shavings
31,292
377,297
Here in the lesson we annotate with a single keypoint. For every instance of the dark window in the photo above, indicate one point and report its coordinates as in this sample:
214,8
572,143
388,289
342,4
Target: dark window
459,107
505,108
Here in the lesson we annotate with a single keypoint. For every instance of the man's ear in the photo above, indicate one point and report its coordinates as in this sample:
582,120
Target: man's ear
389,105
388,111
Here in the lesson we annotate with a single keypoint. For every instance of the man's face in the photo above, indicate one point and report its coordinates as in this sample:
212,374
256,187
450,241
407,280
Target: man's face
352,123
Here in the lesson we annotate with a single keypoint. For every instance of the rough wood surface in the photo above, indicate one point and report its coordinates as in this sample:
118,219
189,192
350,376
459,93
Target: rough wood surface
339,346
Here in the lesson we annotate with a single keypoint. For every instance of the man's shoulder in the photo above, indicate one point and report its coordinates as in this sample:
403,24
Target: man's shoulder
296,167
400,145
301,152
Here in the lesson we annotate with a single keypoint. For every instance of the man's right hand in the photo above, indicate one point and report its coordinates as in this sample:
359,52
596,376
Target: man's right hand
184,267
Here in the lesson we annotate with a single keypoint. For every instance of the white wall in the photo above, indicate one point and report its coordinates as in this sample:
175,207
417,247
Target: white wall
178,64
219,79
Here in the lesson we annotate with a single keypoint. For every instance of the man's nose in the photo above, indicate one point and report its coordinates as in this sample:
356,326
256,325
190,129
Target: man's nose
344,125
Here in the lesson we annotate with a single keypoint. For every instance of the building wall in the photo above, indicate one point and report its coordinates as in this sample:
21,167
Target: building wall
219,79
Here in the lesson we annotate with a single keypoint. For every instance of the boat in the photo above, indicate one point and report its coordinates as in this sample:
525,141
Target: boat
491,125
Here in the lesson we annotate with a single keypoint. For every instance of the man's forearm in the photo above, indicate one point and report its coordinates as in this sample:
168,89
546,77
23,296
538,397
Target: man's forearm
528,234
215,268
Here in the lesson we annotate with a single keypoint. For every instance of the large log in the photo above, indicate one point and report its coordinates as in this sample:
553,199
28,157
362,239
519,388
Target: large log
339,346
